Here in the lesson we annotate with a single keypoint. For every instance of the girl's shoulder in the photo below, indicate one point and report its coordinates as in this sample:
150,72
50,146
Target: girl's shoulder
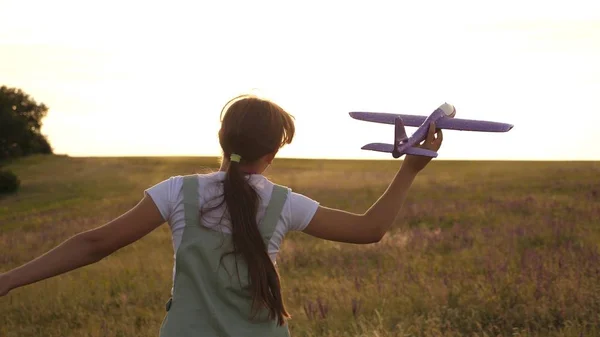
211,182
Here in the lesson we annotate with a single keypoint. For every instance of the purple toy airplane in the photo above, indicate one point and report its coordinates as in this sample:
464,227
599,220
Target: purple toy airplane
443,118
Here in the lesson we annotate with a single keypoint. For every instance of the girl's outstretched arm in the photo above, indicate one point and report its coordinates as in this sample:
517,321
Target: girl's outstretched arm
86,247
337,225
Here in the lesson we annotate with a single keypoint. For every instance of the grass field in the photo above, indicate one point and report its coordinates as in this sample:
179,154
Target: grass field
480,249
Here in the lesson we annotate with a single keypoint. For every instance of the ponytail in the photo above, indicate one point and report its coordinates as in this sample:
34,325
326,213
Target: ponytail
242,203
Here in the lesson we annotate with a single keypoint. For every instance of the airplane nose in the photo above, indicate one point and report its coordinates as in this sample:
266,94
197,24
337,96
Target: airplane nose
448,109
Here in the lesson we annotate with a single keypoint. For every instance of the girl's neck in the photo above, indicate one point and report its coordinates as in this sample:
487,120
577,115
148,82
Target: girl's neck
247,169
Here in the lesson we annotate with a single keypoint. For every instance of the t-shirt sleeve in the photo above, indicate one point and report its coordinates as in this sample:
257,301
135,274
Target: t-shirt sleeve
302,210
162,195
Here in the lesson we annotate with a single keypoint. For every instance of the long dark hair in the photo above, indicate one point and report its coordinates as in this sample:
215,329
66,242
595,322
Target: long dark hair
252,127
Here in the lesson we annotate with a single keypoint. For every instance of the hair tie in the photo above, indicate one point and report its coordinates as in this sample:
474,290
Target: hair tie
235,157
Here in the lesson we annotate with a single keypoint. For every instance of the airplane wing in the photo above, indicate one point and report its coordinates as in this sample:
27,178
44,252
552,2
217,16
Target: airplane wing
387,118
443,123
381,147
472,125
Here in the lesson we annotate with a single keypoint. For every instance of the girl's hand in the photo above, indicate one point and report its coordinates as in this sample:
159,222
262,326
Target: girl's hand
433,142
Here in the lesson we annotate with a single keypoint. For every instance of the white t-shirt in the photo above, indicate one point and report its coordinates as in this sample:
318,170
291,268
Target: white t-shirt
297,211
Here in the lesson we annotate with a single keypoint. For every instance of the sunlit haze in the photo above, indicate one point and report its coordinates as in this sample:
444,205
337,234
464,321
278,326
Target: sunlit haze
149,78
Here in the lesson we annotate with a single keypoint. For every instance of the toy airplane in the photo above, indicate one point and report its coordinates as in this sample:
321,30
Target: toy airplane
443,118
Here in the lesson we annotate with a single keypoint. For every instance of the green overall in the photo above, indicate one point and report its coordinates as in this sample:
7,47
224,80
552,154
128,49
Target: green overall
209,299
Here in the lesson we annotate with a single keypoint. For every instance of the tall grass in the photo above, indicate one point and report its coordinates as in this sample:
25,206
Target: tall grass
480,249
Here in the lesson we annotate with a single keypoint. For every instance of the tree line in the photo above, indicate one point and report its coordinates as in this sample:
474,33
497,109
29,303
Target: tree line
20,131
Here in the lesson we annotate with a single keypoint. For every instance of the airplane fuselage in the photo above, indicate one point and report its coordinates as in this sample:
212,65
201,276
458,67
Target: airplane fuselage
400,147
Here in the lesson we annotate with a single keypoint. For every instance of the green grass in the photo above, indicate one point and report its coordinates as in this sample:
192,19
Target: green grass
480,249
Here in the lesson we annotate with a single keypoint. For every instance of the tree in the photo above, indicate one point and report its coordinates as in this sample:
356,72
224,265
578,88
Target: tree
20,123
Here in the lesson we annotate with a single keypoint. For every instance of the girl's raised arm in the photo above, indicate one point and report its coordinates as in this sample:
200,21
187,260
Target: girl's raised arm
337,225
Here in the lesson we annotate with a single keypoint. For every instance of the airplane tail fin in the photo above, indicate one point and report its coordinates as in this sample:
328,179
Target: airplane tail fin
399,132
400,139
399,136
417,151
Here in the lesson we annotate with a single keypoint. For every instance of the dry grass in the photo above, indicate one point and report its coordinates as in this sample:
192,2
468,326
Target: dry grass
481,249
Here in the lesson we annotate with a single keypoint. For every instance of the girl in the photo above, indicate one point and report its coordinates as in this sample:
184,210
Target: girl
227,227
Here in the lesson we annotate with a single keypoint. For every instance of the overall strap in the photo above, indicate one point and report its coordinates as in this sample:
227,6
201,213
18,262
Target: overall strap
190,200
278,198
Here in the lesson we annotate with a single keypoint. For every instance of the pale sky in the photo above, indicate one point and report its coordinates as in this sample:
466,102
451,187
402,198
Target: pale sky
150,78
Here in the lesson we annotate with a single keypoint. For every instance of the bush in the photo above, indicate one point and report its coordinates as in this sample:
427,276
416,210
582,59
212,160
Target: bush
9,182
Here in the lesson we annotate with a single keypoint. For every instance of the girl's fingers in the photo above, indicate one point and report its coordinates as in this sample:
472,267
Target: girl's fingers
431,133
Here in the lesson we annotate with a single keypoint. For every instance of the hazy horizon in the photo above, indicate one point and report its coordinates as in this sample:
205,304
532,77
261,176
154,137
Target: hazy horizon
149,79
385,158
